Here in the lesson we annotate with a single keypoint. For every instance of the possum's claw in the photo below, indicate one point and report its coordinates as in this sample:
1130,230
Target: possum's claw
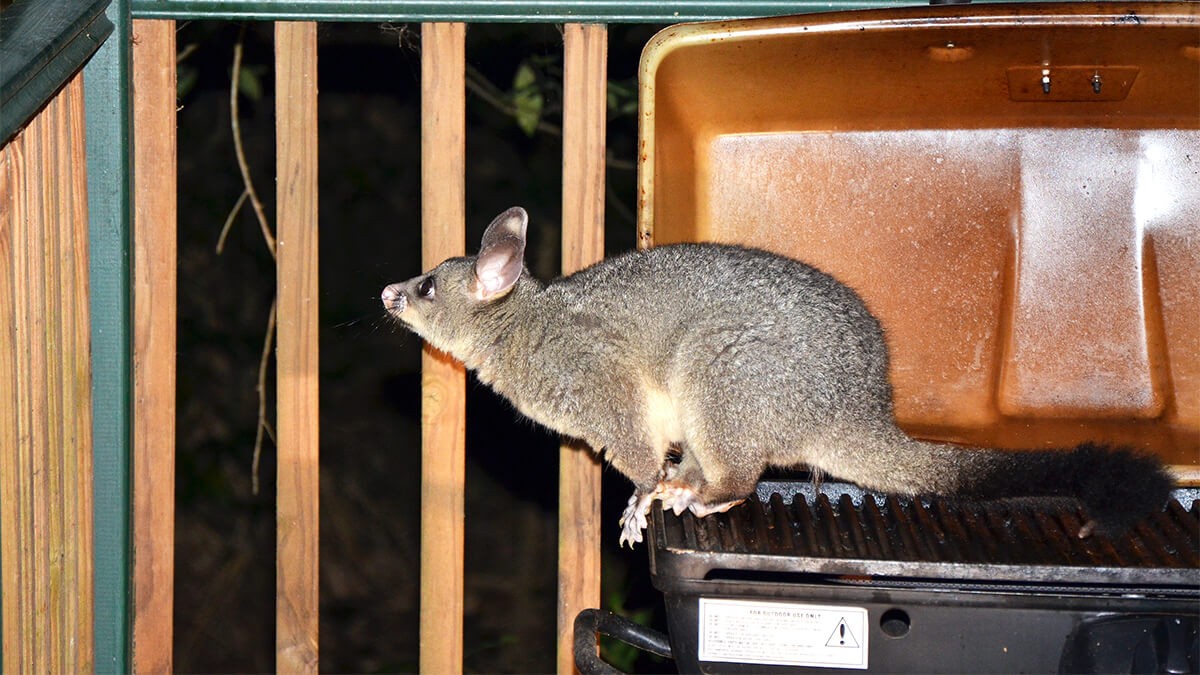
633,519
674,496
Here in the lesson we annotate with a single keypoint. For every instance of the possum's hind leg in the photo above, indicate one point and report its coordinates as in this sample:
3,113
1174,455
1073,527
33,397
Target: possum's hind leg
647,464
712,477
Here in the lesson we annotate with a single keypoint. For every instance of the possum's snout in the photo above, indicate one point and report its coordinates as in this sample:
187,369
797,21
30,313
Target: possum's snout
394,299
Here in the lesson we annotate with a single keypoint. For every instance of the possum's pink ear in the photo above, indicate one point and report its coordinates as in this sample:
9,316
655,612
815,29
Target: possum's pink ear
501,255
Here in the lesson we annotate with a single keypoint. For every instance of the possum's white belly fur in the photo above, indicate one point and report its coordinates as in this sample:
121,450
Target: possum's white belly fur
662,419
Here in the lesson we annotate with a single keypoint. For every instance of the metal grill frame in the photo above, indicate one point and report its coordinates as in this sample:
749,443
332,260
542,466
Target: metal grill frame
833,530
981,587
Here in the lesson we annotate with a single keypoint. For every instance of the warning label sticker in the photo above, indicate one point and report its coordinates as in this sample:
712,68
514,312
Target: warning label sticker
782,633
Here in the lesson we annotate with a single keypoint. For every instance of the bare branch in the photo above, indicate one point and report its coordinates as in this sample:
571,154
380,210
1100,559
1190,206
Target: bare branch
237,145
264,427
261,388
229,221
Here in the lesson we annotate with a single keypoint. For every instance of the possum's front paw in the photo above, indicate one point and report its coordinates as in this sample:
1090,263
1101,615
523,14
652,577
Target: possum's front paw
633,519
677,498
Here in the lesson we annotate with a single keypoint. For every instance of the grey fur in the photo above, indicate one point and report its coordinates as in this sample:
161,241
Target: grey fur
740,358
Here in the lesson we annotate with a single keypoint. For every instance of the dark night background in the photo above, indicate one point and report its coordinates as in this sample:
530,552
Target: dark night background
370,456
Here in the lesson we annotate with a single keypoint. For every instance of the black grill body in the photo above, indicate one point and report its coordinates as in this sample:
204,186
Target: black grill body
940,586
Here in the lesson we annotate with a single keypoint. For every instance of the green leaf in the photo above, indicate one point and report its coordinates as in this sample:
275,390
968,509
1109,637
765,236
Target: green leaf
527,99
622,97
250,84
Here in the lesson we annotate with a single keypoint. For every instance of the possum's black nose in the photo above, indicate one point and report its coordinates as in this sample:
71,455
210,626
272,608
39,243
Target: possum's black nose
394,299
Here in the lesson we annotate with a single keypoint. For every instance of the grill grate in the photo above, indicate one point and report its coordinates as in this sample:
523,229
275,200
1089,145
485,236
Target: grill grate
836,528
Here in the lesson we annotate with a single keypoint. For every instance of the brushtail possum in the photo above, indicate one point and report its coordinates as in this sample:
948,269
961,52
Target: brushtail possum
734,359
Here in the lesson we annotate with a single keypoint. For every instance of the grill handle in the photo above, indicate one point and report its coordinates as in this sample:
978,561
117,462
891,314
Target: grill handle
590,623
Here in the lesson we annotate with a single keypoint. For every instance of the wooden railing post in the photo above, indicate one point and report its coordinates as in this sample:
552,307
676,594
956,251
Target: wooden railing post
46,534
443,381
154,312
584,117
296,357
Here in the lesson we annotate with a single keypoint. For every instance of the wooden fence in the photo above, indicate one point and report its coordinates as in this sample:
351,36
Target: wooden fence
443,380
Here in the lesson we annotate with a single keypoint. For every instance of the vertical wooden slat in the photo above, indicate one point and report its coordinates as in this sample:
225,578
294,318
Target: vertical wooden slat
154,283
76,384
584,117
39,395
443,381
45,410
17,557
296,356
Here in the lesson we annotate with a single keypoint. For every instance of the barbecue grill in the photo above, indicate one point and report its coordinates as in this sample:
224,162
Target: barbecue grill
825,578
1014,191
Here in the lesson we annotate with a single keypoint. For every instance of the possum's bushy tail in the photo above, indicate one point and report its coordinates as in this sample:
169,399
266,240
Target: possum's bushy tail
1117,487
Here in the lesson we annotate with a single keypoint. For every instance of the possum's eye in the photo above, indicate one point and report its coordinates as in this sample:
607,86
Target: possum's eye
425,288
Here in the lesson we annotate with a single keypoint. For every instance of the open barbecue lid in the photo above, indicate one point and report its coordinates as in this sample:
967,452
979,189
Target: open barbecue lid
1013,189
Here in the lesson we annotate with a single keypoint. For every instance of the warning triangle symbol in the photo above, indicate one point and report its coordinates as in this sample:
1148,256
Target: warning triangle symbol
841,637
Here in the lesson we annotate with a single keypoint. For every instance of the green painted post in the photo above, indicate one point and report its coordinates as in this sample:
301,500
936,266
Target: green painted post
110,209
